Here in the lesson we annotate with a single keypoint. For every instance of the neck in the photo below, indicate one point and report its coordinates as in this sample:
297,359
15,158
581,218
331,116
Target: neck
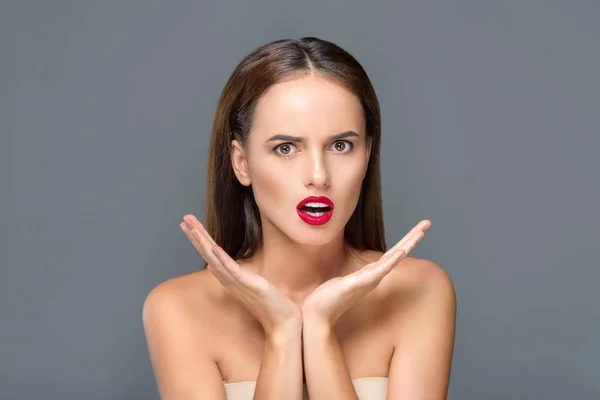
296,269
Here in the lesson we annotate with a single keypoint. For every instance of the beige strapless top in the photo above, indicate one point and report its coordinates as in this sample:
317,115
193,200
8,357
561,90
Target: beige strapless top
370,388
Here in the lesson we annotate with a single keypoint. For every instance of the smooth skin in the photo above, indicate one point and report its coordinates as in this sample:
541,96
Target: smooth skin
306,303
417,371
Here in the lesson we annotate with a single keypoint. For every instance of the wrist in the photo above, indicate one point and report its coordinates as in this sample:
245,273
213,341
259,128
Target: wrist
313,325
284,336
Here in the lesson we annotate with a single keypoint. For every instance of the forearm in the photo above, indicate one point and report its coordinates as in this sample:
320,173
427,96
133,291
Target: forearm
326,373
280,375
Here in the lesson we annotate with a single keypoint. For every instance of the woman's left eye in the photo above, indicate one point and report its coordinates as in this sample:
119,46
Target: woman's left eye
343,146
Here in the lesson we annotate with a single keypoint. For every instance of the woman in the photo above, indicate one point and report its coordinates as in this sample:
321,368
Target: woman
298,298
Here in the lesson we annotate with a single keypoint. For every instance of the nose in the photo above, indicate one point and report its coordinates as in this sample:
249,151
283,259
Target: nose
317,173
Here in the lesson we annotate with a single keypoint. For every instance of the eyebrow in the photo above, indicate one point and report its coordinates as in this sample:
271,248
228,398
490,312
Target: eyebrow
288,138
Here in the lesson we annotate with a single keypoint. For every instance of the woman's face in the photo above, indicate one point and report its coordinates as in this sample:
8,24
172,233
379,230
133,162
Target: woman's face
307,139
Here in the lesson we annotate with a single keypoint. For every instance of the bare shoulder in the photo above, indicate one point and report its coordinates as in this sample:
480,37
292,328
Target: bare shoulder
422,277
189,302
179,337
415,279
184,296
422,306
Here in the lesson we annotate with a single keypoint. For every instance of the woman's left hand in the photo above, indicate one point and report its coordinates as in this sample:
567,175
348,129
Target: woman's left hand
330,300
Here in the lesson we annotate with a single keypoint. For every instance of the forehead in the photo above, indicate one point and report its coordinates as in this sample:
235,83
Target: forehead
308,105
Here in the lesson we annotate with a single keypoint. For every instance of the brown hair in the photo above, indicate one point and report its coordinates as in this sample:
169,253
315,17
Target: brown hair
232,216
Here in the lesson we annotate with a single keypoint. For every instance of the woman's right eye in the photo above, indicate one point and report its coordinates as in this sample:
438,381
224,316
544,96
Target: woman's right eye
285,149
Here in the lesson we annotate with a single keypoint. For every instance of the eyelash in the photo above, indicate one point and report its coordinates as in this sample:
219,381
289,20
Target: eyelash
347,142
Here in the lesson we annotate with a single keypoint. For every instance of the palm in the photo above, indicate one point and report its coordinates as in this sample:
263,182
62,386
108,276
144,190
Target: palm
326,292
273,309
331,299
336,295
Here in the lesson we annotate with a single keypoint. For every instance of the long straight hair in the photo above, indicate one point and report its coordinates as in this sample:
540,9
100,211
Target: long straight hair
232,216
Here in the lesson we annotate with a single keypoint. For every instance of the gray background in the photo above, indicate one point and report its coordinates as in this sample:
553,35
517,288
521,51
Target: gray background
491,130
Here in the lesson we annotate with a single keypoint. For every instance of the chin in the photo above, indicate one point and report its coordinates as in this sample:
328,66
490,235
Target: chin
309,235
312,240
304,233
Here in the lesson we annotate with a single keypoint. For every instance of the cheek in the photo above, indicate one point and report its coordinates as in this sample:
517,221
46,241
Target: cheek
351,174
349,182
269,186
354,188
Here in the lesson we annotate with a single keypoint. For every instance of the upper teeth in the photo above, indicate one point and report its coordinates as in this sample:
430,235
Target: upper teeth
316,205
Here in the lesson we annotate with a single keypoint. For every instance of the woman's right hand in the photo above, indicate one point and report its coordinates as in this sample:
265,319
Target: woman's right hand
279,315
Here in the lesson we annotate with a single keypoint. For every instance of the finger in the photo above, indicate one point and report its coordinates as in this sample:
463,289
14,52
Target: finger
411,243
218,270
232,267
205,246
373,269
385,265
201,244
369,277
193,223
374,265
219,263
225,261
382,259
225,269
407,247
421,227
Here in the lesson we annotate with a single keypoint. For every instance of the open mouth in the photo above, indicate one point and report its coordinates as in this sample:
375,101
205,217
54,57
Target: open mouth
315,210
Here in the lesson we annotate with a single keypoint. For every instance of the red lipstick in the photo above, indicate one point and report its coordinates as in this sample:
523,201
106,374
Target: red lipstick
315,210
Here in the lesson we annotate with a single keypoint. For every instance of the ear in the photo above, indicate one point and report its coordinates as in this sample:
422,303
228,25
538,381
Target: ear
239,163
